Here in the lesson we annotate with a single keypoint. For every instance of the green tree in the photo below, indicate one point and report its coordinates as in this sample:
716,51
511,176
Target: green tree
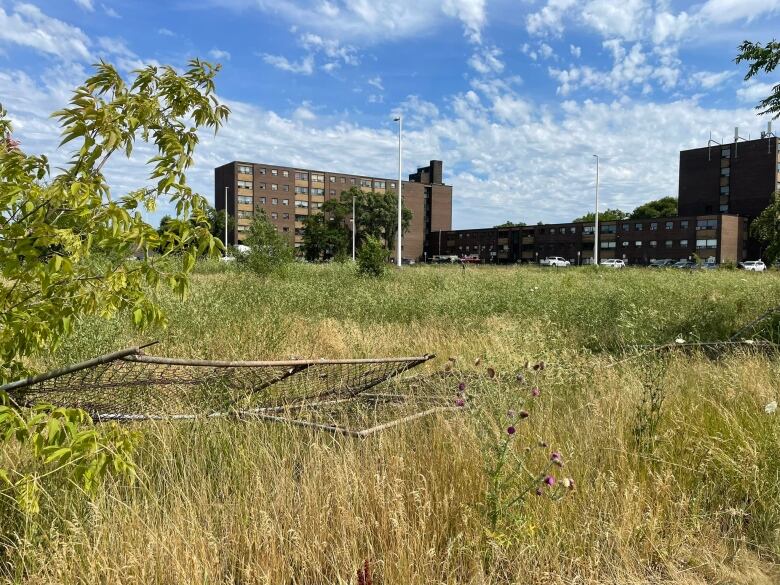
762,58
372,258
217,222
606,215
664,207
325,236
766,229
269,251
509,224
65,239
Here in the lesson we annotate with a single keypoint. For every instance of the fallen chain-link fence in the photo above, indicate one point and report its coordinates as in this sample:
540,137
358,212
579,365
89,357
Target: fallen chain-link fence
129,385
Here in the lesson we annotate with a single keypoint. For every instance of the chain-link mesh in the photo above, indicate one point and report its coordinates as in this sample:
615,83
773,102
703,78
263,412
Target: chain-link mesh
130,385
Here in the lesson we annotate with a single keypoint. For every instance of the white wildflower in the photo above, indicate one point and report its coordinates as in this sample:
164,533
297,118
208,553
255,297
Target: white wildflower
771,407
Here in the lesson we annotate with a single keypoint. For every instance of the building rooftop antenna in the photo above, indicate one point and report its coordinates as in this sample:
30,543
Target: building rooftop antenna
710,142
737,138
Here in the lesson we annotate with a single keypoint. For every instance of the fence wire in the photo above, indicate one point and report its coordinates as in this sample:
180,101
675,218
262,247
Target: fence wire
129,385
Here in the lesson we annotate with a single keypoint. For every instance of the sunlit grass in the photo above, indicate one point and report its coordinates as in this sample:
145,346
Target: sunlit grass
229,502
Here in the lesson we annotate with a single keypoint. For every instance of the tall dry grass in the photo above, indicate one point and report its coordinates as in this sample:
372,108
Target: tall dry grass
229,502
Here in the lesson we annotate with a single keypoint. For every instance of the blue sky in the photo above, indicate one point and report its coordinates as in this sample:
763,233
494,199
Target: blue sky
514,97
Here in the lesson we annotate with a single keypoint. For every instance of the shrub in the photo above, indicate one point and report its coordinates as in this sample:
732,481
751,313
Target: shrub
372,258
269,252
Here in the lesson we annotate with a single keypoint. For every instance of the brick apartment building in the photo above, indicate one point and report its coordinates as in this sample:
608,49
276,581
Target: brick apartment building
721,189
290,194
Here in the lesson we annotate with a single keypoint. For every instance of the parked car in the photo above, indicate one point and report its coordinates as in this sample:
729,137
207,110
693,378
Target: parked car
614,263
753,265
554,261
665,263
471,259
710,265
685,265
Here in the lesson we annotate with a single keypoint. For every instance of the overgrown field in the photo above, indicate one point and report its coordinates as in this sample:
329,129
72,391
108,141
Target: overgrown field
675,461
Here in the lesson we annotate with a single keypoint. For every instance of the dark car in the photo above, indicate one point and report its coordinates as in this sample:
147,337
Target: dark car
665,263
685,264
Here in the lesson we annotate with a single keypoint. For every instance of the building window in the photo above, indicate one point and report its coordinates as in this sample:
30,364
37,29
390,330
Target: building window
262,200
365,182
244,184
684,224
274,215
243,214
587,230
301,204
608,228
285,216
625,243
285,229
317,178
242,228
300,218
638,244
379,184
725,153
332,179
707,244
653,244
261,186
392,185
668,243
724,208
669,225
607,245
274,172
285,187
706,224
317,205
301,176
683,243
638,227
244,200
285,173
317,191
274,201
725,172
653,226
244,169
332,192
572,230
274,187
262,170
301,190
285,202
343,180
626,227
724,190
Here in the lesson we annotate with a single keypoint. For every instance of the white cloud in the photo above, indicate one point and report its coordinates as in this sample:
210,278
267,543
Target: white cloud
575,51
486,60
304,67
725,11
625,19
27,26
110,11
376,82
471,13
668,26
219,54
367,22
550,18
754,91
710,79
330,48
166,32
86,4
304,113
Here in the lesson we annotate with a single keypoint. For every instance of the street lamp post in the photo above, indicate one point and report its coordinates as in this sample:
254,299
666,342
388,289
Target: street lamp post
596,230
226,222
400,121
353,228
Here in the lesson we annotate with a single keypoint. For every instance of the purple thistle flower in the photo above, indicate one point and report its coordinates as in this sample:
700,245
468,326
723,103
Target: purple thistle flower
535,392
549,480
555,456
510,430
524,414
460,402
462,386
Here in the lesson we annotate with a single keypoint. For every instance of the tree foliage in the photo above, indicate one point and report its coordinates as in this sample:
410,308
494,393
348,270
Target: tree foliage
606,215
766,229
509,224
217,222
664,207
65,239
762,58
372,258
329,234
270,251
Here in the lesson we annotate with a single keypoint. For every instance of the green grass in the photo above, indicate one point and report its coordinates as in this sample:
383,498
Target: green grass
226,502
